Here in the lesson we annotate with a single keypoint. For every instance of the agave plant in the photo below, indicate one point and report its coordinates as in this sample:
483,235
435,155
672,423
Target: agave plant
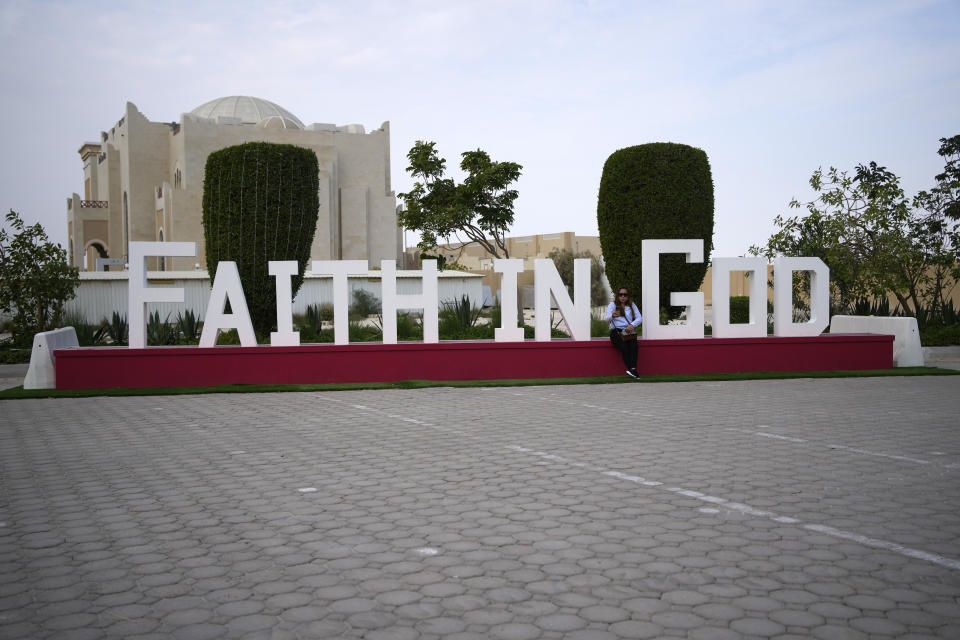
461,312
117,328
868,307
160,332
88,335
188,325
949,314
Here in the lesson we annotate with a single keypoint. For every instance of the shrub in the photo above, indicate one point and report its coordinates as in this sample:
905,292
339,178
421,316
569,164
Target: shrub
870,307
15,356
228,337
599,328
88,335
559,329
655,191
160,332
364,304
563,260
739,309
260,203
310,326
409,327
496,315
312,321
308,335
232,338
35,279
939,335
459,314
359,332
475,332
189,326
325,311
117,328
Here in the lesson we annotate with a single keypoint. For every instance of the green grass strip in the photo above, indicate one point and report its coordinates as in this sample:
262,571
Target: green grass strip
21,393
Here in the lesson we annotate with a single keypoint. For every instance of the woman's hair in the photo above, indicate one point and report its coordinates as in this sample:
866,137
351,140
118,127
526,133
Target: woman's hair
621,307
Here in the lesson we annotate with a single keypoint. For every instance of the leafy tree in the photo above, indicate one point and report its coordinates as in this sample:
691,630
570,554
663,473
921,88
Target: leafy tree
940,223
35,278
563,259
948,182
873,237
477,211
660,190
260,203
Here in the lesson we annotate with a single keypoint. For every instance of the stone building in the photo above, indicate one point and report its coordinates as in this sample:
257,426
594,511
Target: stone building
143,181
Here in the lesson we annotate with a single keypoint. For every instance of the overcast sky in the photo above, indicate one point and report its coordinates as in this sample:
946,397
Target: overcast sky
770,90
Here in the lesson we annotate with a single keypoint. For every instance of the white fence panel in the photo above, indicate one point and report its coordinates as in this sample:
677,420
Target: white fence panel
102,293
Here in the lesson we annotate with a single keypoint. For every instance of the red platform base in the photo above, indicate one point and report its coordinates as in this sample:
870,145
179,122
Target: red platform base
117,367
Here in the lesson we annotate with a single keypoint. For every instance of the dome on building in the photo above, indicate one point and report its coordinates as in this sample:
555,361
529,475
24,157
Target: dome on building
278,122
248,109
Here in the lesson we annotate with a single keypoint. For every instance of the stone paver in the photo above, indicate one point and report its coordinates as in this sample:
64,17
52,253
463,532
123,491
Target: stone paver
802,508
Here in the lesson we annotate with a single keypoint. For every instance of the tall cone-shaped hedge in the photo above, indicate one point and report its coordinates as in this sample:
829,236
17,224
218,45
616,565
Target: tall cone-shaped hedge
260,204
654,191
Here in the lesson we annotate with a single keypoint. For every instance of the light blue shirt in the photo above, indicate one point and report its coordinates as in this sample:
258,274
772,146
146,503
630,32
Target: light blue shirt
632,316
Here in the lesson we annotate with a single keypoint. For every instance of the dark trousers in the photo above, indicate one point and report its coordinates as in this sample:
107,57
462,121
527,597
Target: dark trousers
627,349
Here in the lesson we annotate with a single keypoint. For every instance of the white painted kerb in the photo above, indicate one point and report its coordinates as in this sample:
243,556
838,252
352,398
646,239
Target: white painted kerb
42,373
906,336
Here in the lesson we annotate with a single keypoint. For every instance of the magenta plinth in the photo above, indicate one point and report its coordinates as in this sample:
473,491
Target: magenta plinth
119,367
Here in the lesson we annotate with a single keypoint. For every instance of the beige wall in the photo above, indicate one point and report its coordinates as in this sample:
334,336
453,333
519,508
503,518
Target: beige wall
357,214
474,257
528,248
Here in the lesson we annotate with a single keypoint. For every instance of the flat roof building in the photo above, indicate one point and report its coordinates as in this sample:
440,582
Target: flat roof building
143,181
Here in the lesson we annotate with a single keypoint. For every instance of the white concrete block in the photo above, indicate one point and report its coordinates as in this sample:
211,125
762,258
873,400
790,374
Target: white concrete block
42,373
906,336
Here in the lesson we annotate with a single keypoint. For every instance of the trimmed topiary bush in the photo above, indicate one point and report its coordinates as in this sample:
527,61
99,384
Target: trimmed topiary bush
653,191
260,204
739,309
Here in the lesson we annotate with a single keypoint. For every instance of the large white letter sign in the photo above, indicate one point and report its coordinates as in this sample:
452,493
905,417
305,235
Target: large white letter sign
340,270
576,315
757,270
508,331
783,324
227,286
139,294
429,301
283,270
692,300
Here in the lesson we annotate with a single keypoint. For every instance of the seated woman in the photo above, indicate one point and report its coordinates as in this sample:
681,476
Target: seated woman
624,318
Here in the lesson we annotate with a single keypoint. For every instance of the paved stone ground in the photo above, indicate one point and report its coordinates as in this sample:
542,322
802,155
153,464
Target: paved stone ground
12,375
787,509
943,357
